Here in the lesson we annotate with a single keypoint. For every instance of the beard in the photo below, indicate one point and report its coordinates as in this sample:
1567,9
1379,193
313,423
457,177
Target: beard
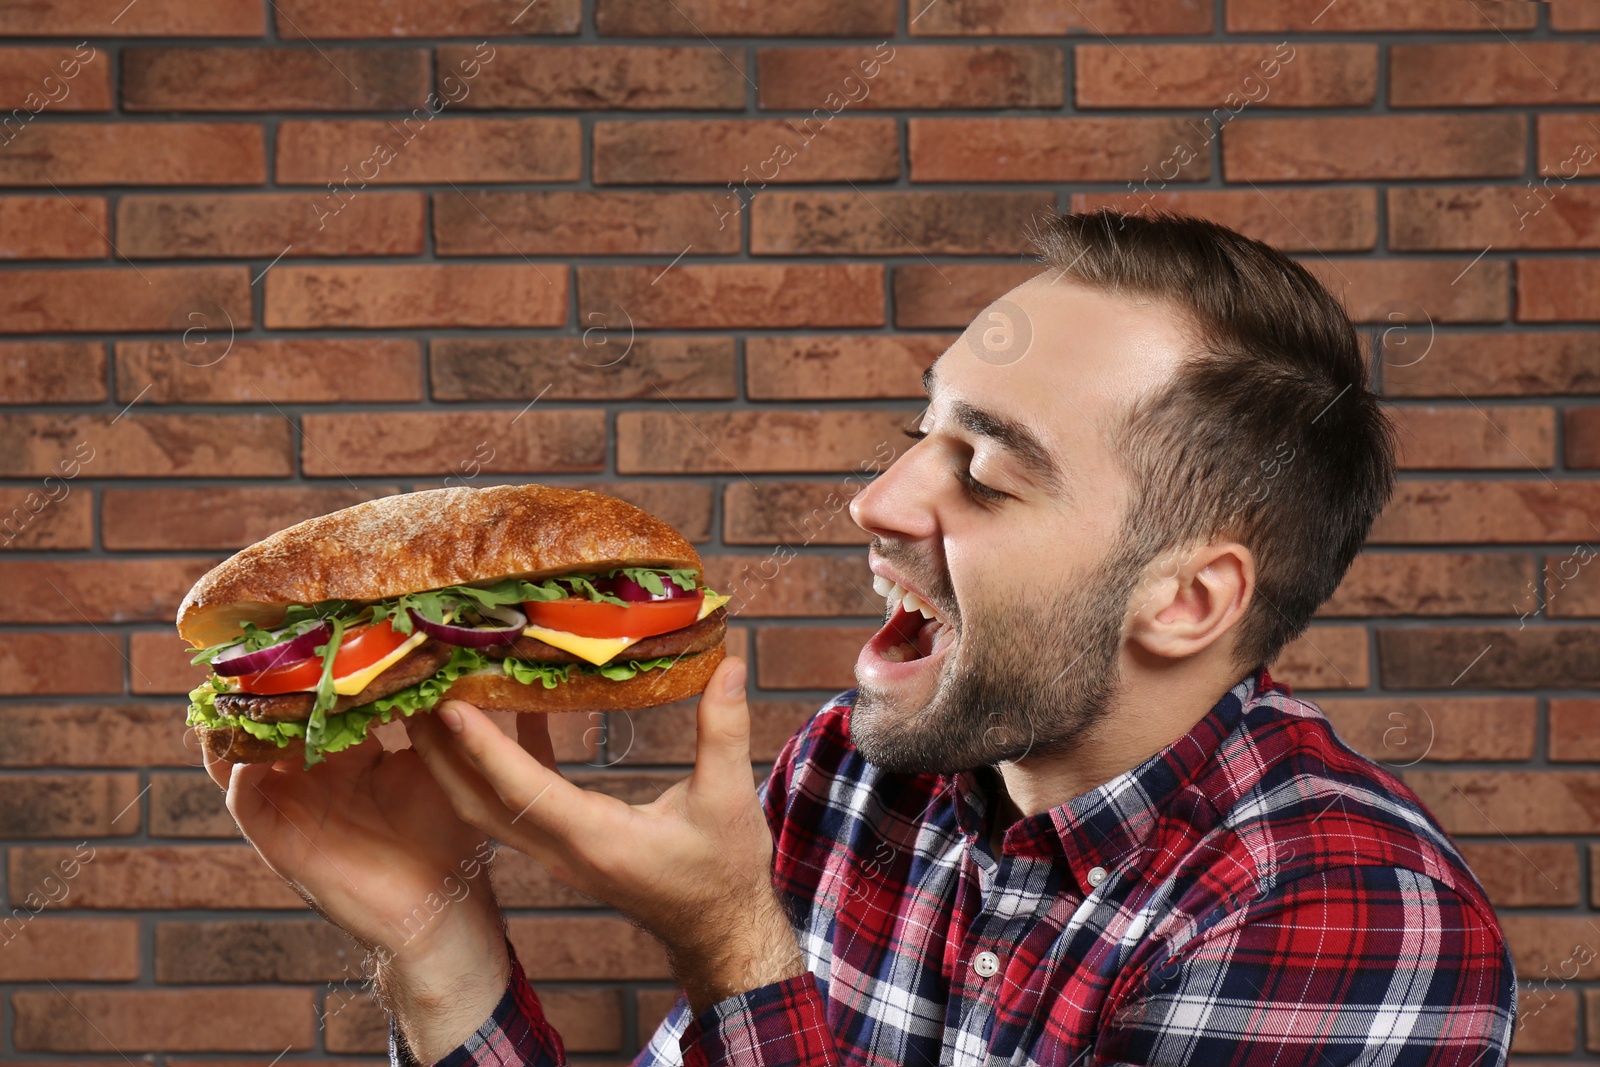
1028,678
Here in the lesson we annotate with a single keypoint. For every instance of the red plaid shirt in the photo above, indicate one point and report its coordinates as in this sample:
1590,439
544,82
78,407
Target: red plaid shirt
1256,893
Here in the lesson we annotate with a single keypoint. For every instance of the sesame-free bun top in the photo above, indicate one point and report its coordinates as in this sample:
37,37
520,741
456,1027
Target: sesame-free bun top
413,542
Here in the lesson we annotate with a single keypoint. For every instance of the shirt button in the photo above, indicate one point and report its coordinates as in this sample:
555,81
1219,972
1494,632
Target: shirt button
1096,875
986,964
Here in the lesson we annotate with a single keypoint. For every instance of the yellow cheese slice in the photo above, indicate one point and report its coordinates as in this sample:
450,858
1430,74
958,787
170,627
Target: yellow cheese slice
351,684
598,650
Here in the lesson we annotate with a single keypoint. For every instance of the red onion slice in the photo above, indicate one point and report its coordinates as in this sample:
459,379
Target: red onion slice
237,661
513,622
628,589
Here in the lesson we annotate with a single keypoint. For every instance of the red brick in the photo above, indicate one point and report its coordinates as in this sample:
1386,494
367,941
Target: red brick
1290,219
224,18
1553,290
601,947
912,77
1429,657
415,147
1572,587
299,19
136,153
95,735
54,78
53,227
1443,438
48,516
1270,16
1510,802
809,657
734,18
268,225
1052,18
417,442
1384,146
255,950
1443,290
189,1020
1568,145
159,663
839,366
588,1020
1573,15
880,223
70,805
52,372
653,1007
298,371
1498,364
76,950
139,445
538,223
566,368
793,513
97,590
733,295
1525,874
929,296
218,516
1056,149
1231,76
188,805
1547,1021
667,734
1401,731
809,585
749,152
1412,583
1471,217
30,663
105,299
1551,947
382,297
1324,657
274,79
706,442
601,77
1573,734
1462,511
158,877
1486,73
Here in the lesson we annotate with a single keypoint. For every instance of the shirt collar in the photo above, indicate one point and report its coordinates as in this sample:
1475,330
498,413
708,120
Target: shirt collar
1113,821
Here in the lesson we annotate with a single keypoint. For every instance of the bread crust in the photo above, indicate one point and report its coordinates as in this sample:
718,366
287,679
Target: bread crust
427,540
491,690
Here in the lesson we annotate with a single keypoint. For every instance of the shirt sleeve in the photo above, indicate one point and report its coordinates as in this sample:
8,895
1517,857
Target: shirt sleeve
1329,968
516,1034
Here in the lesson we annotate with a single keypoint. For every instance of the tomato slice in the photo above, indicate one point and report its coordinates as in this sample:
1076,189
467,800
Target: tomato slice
361,647
587,618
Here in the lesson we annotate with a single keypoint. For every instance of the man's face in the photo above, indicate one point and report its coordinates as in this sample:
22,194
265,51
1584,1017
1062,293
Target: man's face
1004,518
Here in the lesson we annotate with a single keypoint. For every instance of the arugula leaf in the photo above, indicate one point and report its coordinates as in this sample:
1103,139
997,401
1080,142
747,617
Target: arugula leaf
297,619
317,725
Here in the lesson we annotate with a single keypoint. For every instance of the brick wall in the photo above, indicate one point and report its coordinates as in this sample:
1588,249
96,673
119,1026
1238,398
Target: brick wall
697,253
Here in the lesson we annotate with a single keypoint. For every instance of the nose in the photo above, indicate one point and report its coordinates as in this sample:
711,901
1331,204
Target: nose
899,502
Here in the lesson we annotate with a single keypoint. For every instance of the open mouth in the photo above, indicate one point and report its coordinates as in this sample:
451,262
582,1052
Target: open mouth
913,637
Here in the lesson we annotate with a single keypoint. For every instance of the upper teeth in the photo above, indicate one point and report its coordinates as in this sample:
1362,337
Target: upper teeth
898,594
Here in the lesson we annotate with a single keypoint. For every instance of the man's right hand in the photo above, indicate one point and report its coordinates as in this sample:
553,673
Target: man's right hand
370,841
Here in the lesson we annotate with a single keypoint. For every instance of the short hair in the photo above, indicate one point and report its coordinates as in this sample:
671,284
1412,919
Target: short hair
1268,432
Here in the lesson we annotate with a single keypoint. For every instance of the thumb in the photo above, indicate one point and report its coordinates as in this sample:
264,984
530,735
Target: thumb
722,731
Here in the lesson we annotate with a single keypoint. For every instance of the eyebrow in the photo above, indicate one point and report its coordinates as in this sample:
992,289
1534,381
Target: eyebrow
1013,436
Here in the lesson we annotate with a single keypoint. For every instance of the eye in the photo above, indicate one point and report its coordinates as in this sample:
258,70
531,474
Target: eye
973,487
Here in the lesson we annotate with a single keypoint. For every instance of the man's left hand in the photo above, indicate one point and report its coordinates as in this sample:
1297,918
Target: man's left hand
693,867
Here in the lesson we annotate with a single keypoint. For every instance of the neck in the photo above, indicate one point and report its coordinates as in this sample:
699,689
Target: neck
1151,710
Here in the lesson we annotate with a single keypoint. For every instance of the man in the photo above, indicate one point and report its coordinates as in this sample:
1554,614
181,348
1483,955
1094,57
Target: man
1066,817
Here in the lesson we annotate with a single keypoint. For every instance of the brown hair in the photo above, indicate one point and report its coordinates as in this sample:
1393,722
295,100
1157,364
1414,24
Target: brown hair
1268,434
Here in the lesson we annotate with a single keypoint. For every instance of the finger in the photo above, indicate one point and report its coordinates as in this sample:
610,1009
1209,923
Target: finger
533,734
219,769
472,798
526,787
722,734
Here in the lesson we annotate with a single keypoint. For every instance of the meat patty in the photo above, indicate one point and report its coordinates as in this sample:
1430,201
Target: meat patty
421,662
699,636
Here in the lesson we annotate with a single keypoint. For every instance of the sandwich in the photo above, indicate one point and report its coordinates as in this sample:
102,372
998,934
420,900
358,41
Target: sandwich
525,598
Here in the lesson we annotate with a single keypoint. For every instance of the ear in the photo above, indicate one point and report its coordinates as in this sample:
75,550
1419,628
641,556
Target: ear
1194,600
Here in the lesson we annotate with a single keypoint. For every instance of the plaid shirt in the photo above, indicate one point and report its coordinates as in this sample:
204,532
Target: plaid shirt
1256,893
